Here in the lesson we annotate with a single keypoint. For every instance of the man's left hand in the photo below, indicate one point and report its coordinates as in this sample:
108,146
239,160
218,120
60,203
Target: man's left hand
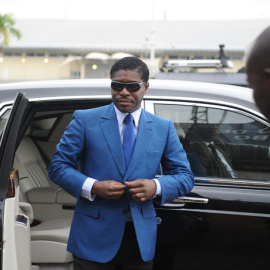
141,189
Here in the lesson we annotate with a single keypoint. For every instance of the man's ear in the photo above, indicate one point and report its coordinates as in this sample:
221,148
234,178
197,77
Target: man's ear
146,86
266,78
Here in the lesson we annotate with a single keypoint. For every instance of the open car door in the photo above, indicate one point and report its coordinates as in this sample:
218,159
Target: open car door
15,227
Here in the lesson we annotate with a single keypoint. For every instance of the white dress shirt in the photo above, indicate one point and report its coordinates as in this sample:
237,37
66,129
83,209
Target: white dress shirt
89,182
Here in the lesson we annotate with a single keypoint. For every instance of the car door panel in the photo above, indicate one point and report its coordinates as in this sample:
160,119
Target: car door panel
16,232
229,234
231,230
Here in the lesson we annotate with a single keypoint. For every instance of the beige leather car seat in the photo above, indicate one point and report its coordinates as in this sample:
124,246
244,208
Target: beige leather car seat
32,168
49,241
49,238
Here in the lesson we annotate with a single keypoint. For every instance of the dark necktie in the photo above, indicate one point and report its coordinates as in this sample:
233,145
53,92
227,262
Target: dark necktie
128,139
219,163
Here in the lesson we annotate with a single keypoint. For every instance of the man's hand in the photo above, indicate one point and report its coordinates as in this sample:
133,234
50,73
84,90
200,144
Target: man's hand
141,189
109,189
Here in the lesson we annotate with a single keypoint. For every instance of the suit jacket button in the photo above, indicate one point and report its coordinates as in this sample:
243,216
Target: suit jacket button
125,211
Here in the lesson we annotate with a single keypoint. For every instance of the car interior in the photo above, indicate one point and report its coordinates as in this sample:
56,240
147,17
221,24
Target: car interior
41,209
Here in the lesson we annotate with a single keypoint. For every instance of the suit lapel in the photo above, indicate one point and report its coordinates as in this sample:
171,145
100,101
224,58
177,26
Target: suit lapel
144,135
109,126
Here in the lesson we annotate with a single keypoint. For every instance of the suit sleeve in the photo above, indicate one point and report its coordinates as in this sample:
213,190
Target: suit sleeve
63,168
178,179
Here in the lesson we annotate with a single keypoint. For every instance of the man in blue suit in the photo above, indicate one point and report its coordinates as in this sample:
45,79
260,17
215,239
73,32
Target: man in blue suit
119,149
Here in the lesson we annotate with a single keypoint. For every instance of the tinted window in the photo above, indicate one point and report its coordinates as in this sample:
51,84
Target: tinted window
42,128
219,142
3,120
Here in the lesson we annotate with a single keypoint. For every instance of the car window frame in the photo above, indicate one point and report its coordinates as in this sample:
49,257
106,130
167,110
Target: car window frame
256,116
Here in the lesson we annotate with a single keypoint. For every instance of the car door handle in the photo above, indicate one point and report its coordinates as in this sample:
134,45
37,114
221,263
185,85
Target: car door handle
191,200
21,219
181,201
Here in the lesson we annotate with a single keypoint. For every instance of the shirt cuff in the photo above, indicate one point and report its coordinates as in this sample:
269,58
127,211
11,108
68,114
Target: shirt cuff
158,188
86,191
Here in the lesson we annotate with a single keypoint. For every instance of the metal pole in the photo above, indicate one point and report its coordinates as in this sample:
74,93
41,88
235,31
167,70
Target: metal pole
152,45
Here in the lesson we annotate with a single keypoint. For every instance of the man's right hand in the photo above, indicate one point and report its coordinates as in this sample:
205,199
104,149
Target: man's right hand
109,189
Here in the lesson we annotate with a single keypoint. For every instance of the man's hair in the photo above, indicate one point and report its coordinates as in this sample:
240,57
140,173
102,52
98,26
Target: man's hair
131,63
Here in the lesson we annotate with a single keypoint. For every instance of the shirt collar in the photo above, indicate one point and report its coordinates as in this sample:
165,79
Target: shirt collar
209,143
121,116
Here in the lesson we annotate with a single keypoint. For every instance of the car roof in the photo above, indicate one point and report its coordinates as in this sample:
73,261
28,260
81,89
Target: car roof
159,89
239,79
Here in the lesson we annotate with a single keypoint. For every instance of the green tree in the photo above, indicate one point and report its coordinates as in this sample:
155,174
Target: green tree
7,29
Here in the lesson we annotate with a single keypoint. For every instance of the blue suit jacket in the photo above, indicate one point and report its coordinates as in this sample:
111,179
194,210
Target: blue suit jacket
92,139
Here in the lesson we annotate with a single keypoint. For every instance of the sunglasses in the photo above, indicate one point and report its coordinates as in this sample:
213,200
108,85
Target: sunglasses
131,87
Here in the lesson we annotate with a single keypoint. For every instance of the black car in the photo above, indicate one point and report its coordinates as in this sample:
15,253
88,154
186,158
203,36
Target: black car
224,223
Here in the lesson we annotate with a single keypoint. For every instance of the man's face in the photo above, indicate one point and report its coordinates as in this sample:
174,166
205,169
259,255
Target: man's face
124,100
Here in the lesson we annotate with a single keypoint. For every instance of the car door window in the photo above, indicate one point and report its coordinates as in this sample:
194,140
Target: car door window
3,119
40,129
220,142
